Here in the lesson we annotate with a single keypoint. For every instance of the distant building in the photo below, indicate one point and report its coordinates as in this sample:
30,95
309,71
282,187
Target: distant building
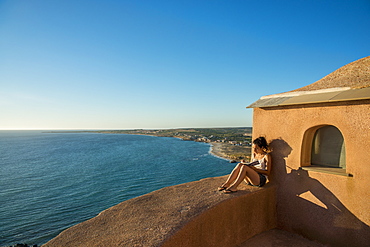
320,137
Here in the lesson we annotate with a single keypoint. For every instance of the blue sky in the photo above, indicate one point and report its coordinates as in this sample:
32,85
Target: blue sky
165,64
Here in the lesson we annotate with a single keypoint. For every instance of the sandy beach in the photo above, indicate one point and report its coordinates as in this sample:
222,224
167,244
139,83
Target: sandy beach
229,151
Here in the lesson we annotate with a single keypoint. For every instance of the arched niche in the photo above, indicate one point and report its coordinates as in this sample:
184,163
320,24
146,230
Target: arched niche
323,146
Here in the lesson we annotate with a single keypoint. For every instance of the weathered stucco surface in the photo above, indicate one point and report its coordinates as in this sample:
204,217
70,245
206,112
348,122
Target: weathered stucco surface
191,214
330,208
279,238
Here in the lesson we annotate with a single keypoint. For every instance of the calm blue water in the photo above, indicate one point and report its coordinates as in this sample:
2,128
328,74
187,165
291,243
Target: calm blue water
49,181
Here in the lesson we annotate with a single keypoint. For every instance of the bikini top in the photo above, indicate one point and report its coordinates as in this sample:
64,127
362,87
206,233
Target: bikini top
262,163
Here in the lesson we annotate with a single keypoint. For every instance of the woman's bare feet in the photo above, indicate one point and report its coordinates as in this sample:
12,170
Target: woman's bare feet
222,187
229,191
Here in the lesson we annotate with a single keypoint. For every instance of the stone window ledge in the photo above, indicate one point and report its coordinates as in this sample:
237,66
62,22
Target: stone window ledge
329,170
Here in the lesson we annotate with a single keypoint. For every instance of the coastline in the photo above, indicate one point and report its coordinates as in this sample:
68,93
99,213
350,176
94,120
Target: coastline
224,150
214,150
230,152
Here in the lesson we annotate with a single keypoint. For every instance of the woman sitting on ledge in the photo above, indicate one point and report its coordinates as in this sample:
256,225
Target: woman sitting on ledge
253,173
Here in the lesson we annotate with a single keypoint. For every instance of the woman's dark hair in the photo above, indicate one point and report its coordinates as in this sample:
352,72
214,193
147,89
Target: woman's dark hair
261,142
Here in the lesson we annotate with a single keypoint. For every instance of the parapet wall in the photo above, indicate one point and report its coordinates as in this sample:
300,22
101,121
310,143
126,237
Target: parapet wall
229,223
190,214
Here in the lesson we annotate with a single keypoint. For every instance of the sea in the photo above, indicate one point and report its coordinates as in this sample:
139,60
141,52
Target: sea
52,181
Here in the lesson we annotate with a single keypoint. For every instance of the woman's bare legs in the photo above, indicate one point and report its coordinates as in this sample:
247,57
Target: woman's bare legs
233,176
240,173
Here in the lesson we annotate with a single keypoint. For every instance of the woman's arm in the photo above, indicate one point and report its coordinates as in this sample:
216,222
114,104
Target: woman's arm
268,166
259,170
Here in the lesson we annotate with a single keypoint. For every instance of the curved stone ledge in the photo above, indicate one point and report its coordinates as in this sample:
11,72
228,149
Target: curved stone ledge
190,214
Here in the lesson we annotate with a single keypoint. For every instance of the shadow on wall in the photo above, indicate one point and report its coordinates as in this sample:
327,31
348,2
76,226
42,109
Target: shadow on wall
307,207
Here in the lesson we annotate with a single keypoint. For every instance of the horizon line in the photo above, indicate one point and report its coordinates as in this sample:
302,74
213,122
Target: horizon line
93,129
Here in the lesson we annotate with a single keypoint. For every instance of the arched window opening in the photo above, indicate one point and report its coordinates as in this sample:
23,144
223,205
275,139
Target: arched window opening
328,148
